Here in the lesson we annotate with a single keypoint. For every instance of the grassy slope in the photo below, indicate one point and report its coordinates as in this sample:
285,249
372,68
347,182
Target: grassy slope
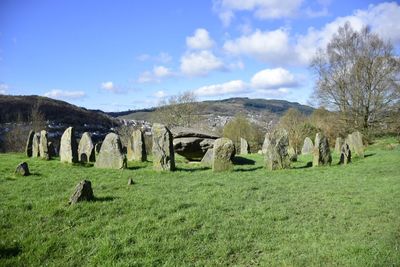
306,216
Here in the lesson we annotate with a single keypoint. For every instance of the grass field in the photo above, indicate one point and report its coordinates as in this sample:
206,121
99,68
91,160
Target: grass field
338,215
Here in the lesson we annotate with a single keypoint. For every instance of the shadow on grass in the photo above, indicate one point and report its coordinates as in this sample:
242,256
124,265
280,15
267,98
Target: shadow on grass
369,155
242,161
8,252
249,169
104,199
135,167
194,169
308,165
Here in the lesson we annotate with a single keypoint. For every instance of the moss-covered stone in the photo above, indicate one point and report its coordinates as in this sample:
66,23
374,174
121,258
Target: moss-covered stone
223,152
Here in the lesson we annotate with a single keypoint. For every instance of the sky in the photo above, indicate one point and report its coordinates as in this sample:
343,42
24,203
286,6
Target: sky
120,55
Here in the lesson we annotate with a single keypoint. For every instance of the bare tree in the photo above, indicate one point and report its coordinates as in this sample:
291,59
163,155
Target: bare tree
356,75
293,121
178,110
37,118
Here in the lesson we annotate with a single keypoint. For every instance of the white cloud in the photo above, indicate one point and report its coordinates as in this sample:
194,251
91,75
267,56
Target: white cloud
109,86
161,71
268,46
155,75
232,87
160,94
273,79
161,58
261,9
200,63
200,40
3,88
381,18
268,82
64,94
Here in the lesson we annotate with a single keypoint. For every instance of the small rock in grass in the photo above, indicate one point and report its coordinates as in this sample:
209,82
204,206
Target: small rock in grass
130,181
22,169
83,192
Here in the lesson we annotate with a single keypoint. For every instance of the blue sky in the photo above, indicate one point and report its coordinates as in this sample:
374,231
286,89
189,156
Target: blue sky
119,55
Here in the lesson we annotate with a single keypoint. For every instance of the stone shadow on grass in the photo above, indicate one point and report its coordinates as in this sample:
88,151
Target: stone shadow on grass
104,199
135,167
194,169
369,155
9,252
243,161
308,165
248,170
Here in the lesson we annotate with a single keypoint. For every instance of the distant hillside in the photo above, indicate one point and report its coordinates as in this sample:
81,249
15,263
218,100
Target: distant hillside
230,107
13,108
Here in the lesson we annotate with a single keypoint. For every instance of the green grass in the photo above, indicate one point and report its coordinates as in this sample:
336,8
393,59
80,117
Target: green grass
338,215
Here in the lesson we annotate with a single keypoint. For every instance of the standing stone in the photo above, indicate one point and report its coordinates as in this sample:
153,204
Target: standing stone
292,154
29,142
266,144
338,144
97,148
357,144
308,146
277,156
163,148
322,153
345,154
52,150
207,160
111,155
86,148
83,192
136,147
69,146
22,169
244,147
223,152
43,145
35,146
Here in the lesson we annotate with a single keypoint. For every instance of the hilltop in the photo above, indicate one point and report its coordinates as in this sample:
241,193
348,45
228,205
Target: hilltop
19,108
260,111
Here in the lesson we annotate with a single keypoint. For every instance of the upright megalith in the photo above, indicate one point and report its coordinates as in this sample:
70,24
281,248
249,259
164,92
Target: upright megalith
345,154
83,192
86,148
277,156
223,153
111,155
35,145
69,146
322,152
44,146
266,143
163,148
136,147
97,148
308,146
52,150
207,158
356,143
338,144
292,154
244,147
29,143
